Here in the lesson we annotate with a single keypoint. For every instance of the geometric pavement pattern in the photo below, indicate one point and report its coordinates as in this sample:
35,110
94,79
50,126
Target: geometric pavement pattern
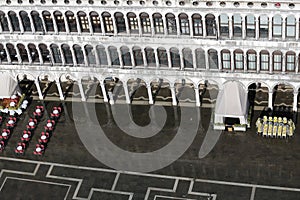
29,179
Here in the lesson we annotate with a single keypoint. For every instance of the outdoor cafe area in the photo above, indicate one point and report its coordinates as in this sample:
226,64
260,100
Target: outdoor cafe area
276,124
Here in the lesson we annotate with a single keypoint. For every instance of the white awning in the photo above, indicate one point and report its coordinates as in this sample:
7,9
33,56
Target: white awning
8,86
232,102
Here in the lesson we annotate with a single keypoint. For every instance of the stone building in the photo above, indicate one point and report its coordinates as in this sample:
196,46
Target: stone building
196,43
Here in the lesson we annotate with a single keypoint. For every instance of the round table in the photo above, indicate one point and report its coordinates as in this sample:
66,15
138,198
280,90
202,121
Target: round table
38,110
4,134
19,148
25,136
11,121
31,123
38,149
12,104
49,125
43,137
55,112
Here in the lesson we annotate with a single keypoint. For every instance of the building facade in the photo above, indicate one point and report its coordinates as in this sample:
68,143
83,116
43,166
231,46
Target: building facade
178,42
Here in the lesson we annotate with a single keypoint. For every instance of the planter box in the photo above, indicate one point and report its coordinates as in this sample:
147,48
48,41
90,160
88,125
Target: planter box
219,127
239,128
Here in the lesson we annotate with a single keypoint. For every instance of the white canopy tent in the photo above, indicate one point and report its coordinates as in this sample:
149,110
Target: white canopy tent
232,102
8,86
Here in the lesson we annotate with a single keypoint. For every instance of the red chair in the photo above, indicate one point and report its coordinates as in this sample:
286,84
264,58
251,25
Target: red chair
44,138
2,145
20,148
5,134
39,149
26,136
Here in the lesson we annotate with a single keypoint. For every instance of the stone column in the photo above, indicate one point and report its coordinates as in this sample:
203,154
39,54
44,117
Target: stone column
54,23
243,27
114,24
197,95
297,29
128,101
96,56
194,59
20,22
295,101
230,27
83,97
156,58
29,55
63,60
165,26
139,25
204,27
78,24
173,93
61,95
18,55
257,62
43,22
219,60
191,26
31,23
38,87
66,23
120,58
232,61
127,25
152,25
270,101
7,53
206,60
40,55
256,28
271,62
144,57
283,62
178,26
245,61
296,63
181,59
270,28
132,57
108,57
73,56
169,58
150,94
283,27
102,25
11,30
103,89
90,25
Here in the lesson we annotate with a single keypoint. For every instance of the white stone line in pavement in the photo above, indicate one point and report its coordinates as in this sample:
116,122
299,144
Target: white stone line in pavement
214,196
173,190
153,175
21,172
37,181
176,198
253,193
115,181
249,185
130,194
48,175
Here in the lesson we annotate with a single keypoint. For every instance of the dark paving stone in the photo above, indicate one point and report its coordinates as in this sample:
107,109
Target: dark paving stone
108,196
26,189
266,194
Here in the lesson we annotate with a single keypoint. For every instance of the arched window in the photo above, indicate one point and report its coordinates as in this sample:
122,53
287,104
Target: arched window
48,21
45,53
71,21
250,26
290,61
89,51
145,22
238,59
59,21
277,61
108,23
102,55
3,22
197,25
158,23
33,53
14,21
12,52
138,57
120,22
264,60
184,24
37,21
226,59
114,56
263,26
56,53
175,57
290,26
251,60
200,58
83,22
67,54
224,26
3,54
277,26
210,25
171,24
126,58
95,20
213,59
25,20
237,25
187,58
78,54
133,23
162,57
150,56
